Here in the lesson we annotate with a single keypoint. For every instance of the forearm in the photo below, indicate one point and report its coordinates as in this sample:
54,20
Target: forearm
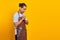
18,23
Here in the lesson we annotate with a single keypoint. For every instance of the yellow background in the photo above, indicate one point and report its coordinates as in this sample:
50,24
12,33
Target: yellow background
43,17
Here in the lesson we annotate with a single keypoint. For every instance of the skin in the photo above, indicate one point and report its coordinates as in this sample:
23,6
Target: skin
21,10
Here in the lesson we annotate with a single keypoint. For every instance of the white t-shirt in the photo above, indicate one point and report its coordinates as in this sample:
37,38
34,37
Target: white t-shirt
15,19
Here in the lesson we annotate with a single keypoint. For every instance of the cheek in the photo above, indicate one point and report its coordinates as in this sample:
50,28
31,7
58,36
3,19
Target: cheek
21,9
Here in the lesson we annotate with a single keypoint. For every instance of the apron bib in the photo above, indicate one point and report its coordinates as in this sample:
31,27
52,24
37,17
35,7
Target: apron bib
21,31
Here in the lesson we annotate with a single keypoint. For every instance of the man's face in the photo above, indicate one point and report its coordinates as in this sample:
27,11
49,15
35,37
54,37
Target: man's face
23,9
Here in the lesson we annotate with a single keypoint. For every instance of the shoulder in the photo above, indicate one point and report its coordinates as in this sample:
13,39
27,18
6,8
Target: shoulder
15,17
15,14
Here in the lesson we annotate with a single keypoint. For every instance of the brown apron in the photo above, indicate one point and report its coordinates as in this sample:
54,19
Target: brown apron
21,31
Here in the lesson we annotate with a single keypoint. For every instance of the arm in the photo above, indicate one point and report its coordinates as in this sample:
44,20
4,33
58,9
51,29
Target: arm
17,23
15,20
26,22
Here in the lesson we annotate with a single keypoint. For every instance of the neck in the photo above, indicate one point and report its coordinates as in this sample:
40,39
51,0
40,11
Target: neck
20,12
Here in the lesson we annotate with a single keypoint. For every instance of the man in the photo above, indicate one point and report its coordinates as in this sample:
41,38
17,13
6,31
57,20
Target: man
20,20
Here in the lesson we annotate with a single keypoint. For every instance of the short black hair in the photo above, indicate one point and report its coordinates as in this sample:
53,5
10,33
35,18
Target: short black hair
22,4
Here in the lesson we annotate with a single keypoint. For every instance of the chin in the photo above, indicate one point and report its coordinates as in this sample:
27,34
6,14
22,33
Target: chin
22,12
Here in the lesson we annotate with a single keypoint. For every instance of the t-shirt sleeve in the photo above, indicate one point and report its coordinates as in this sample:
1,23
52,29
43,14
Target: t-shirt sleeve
15,18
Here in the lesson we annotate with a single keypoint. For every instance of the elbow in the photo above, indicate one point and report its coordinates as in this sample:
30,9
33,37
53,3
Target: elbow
16,24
